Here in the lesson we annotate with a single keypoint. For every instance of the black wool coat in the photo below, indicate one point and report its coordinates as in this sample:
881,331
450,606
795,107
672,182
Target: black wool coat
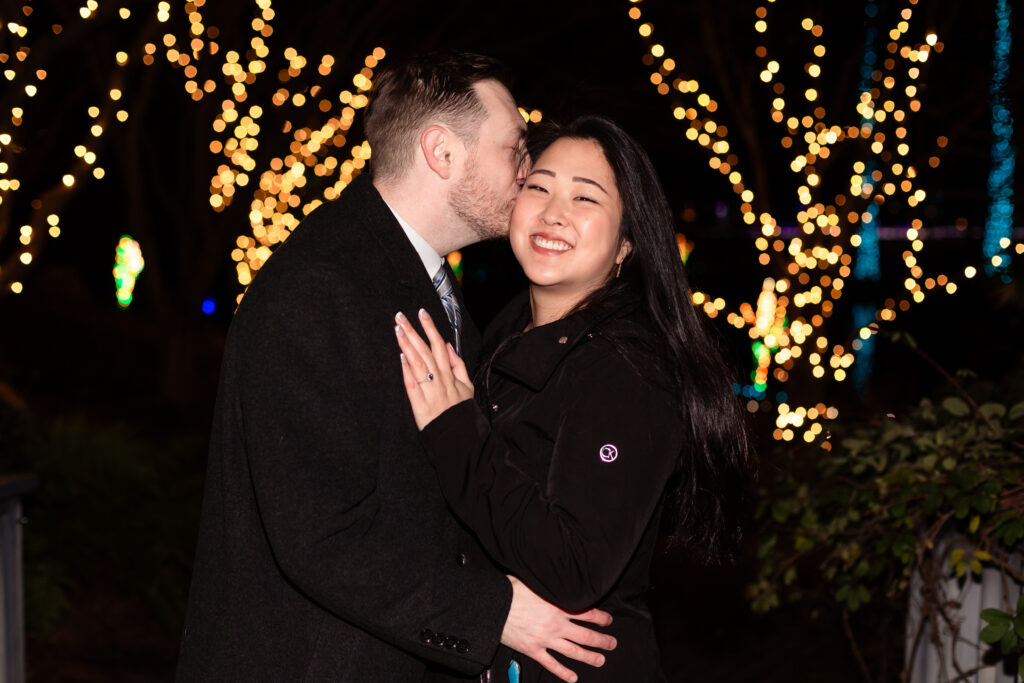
326,551
560,467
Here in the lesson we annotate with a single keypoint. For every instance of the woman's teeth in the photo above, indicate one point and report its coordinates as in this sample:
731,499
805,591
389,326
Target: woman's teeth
553,245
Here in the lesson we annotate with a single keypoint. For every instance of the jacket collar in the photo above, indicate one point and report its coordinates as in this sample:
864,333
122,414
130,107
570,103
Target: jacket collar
362,199
533,356
403,264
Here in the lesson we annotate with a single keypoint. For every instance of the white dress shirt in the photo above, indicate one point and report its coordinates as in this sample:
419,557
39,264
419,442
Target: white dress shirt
432,261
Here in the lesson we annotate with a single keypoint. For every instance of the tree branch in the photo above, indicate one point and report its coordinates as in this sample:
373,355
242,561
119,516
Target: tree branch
856,650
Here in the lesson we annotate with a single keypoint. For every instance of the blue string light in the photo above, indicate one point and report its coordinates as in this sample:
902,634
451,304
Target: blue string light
999,226
863,315
868,262
867,266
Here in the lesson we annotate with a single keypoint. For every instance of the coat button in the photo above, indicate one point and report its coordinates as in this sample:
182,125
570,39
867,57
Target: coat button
462,646
494,407
438,639
450,642
426,635
562,340
460,559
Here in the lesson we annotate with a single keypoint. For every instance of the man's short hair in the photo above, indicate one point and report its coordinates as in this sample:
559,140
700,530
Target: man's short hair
433,88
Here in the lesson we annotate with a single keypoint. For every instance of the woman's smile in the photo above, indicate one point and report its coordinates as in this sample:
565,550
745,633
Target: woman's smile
546,244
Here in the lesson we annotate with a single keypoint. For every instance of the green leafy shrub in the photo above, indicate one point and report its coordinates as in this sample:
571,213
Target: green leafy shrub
112,508
1007,630
940,486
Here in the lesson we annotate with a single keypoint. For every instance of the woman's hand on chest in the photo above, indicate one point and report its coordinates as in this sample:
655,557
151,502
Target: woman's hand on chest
435,377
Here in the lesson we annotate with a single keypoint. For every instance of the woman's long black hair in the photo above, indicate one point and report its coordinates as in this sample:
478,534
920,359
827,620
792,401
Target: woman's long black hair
714,471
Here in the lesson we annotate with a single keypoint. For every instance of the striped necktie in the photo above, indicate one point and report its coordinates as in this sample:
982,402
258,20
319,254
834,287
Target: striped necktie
446,290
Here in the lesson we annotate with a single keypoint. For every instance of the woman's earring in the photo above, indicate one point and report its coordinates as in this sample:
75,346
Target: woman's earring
619,271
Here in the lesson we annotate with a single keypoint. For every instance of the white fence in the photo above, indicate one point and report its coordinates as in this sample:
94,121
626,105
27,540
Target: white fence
965,599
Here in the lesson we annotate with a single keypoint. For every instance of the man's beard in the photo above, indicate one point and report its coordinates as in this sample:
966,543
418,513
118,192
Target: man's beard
484,212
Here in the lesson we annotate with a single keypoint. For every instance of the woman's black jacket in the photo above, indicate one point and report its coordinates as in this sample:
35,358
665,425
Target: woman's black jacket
561,465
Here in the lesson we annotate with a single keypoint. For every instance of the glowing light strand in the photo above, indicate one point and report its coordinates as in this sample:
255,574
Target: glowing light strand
867,265
188,54
863,346
44,208
316,157
999,226
823,224
128,264
279,196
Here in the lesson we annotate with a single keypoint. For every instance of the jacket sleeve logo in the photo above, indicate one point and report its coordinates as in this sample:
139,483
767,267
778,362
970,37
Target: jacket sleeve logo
609,453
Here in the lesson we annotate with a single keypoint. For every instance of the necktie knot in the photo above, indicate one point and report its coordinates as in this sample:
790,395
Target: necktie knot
445,288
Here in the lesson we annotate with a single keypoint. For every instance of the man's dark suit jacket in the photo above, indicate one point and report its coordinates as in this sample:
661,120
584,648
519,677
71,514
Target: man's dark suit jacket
326,552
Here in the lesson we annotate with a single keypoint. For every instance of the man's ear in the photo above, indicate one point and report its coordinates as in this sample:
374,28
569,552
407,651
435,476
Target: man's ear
436,147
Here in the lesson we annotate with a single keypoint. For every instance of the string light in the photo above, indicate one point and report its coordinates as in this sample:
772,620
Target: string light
999,226
455,262
281,194
44,209
868,263
128,263
279,201
279,198
817,257
864,345
785,325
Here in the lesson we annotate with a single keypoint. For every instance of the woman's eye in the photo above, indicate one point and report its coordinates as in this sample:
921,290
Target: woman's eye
535,187
583,198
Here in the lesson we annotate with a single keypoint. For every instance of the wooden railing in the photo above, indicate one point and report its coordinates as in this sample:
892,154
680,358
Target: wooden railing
12,610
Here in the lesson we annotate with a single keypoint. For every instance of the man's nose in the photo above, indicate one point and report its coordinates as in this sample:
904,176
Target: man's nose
523,165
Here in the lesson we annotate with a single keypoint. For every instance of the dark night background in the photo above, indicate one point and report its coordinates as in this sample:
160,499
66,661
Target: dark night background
110,408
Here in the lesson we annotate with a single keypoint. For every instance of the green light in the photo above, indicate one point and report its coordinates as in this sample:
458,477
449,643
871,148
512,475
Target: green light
128,263
455,262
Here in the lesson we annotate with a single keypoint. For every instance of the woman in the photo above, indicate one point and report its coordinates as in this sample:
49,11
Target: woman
607,398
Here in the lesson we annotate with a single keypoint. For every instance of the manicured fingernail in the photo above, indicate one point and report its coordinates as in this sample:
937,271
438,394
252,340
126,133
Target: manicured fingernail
400,317
402,356
399,331
424,314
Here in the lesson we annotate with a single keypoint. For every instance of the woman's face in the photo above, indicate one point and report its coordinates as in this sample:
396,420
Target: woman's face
565,222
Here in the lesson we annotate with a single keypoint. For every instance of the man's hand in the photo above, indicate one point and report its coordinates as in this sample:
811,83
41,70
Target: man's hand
535,626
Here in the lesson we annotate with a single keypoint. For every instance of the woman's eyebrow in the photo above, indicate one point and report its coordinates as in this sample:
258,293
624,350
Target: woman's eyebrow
580,179
575,179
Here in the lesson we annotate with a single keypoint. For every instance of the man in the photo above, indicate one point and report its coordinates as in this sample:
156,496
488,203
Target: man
326,551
